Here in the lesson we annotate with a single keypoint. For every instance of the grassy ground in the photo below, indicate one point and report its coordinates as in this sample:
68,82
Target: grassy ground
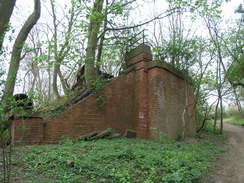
116,161
235,121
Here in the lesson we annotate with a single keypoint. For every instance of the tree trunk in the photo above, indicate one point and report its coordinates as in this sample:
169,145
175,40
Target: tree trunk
216,115
95,22
6,10
55,69
55,81
221,115
49,83
60,54
100,47
17,49
33,81
238,103
63,82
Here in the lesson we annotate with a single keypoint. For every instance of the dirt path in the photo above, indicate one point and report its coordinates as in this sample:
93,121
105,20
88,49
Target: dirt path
230,167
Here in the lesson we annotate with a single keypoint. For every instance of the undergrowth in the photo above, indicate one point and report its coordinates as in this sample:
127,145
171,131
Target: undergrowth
115,161
236,121
50,109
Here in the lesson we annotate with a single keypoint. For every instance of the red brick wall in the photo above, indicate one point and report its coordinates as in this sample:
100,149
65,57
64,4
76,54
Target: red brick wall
29,130
167,100
86,116
149,99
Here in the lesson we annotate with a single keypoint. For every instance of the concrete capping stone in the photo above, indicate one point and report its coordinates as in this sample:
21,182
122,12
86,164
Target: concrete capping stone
170,68
128,69
137,51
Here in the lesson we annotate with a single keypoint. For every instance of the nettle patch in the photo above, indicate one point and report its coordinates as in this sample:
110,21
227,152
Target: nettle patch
117,160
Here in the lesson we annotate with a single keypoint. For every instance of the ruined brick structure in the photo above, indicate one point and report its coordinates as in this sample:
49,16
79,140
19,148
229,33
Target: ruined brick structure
151,98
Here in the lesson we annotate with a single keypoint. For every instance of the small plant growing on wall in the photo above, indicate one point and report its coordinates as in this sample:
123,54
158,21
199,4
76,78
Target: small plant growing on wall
97,87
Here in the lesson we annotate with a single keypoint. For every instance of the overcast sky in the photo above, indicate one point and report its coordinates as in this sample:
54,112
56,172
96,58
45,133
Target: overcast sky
146,8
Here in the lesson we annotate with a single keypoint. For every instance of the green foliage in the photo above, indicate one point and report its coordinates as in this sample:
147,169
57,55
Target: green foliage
51,108
236,70
233,116
234,49
118,160
232,112
10,109
184,51
235,121
199,7
208,130
97,86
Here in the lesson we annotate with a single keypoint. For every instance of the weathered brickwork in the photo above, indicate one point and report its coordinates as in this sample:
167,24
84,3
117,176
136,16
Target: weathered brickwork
28,130
152,99
169,95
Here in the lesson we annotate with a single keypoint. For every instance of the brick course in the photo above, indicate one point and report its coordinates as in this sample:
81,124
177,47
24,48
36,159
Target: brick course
149,99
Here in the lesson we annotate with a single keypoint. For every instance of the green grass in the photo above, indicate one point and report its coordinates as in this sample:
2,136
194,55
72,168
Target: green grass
115,161
235,121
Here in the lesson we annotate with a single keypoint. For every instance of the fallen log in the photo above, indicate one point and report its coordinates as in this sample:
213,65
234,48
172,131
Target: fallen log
88,136
113,136
103,134
108,133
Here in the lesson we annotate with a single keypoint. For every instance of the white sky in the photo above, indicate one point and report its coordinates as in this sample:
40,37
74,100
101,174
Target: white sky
146,9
